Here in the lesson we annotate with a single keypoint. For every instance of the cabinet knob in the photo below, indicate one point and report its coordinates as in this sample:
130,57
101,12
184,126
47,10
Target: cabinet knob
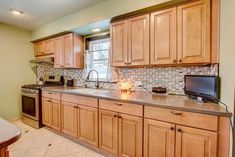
172,128
180,60
119,116
175,61
115,116
75,107
179,130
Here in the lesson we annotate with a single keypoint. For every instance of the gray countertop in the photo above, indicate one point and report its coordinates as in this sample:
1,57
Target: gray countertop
8,133
175,102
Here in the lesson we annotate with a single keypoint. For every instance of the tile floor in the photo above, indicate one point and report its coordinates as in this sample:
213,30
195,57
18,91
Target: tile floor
44,143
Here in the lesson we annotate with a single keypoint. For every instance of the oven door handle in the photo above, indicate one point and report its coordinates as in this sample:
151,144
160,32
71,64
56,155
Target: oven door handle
30,95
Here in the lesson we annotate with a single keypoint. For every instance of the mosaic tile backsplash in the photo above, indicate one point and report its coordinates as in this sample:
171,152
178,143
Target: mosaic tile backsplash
170,77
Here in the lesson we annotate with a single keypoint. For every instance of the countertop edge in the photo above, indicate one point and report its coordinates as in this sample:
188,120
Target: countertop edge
227,114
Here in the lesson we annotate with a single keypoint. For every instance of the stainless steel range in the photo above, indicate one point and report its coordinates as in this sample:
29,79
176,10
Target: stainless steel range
31,100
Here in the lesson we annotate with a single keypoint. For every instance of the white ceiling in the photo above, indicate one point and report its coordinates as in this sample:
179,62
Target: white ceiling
40,12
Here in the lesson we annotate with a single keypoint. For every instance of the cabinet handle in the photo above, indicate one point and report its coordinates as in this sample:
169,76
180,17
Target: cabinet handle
115,116
48,100
180,60
119,116
50,93
118,104
75,107
172,128
179,130
177,113
175,61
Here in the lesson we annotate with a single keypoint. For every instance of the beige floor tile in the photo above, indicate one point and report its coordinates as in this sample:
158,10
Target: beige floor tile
19,153
36,152
57,150
76,155
76,148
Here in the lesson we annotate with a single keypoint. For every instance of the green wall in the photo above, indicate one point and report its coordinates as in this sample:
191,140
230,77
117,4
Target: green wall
15,53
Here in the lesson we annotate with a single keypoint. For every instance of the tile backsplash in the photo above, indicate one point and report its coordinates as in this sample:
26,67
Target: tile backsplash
170,77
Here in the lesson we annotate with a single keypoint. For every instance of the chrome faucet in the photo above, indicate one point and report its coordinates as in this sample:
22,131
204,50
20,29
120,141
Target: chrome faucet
97,85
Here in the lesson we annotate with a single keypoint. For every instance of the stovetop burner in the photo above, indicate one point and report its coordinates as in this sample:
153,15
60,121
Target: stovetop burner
38,86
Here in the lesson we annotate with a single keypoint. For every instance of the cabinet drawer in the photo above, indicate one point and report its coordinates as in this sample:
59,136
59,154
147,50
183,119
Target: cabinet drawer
128,108
51,95
80,100
197,120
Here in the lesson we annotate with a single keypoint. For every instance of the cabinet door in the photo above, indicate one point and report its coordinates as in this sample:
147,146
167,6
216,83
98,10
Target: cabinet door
130,136
56,115
159,139
68,51
163,37
119,43
38,48
138,40
194,32
49,46
59,52
46,111
88,125
69,118
108,131
192,142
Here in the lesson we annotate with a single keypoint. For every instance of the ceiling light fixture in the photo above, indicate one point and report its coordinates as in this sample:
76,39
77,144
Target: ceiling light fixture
16,11
96,30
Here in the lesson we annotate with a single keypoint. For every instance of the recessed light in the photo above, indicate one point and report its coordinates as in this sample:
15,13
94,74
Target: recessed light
96,30
16,11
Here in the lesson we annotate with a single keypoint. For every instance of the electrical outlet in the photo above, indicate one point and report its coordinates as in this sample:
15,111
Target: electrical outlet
139,84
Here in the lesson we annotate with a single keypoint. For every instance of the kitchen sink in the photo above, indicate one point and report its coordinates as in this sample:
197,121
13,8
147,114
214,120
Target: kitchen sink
89,91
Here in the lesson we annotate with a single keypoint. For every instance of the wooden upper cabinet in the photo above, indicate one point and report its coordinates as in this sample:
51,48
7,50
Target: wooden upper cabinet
192,142
44,48
163,37
69,51
49,46
88,125
55,115
194,32
119,43
69,118
39,48
108,131
159,139
59,52
138,40
130,136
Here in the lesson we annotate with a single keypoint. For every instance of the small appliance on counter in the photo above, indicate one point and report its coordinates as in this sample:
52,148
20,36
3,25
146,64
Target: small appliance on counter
202,88
70,83
159,90
31,100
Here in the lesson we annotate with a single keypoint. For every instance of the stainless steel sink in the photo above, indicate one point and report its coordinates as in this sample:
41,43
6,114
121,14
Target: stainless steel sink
89,91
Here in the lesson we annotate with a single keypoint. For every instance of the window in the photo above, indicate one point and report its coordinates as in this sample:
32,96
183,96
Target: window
98,58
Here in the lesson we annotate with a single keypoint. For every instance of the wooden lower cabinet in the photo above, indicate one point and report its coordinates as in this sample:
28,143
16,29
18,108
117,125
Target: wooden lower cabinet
51,113
69,118
159,139
192,142
88,125
108,131
120,134
46,111
130,136
55,117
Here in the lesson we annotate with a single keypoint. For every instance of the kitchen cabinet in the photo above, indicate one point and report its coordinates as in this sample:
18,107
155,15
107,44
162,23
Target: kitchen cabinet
163,37
69,118
43,48
46,111
108,131
88,124
120,133
194,34
195,142
69,51
130,42
51,113
159,139
119,43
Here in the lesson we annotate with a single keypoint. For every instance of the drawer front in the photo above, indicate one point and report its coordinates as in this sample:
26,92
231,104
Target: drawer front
197,120
80,100
128,108
51,95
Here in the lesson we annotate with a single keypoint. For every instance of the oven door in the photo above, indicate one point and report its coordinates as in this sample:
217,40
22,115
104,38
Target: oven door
30,105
